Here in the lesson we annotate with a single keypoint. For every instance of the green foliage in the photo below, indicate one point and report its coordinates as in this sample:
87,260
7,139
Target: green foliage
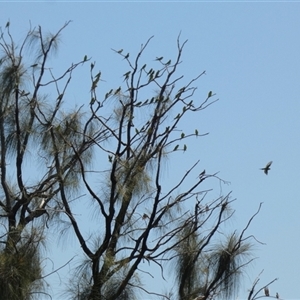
141,218
20,269
227,262
35,128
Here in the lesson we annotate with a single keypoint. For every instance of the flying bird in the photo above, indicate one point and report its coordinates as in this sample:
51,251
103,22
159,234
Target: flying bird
267,293
267,168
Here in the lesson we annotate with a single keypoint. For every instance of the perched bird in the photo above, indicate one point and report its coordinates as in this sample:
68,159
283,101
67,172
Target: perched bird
267,167
277,295
145,216
202,174
267,293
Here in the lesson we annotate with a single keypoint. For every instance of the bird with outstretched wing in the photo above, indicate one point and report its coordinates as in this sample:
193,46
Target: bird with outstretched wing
267,168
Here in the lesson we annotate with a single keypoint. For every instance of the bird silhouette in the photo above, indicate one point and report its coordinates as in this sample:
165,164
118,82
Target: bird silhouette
267,168
202,174
267,293
277,295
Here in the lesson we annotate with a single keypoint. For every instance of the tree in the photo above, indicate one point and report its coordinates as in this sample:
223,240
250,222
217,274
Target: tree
20,269
34,128
139,218
253,295
211,269
143,221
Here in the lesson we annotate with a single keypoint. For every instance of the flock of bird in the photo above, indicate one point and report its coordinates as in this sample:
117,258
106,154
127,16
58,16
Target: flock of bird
267,292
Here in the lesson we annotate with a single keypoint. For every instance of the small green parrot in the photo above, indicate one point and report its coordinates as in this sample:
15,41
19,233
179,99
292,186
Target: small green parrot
126,75
202,174
117,91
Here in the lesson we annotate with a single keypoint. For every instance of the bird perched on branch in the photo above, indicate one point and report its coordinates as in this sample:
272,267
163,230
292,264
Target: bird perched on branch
202,174
277,295
267,168
267,293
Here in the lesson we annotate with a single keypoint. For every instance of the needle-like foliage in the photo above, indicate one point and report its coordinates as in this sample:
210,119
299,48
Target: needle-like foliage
35,128
110,156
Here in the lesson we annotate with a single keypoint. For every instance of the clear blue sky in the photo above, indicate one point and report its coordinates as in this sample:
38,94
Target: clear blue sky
251,54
